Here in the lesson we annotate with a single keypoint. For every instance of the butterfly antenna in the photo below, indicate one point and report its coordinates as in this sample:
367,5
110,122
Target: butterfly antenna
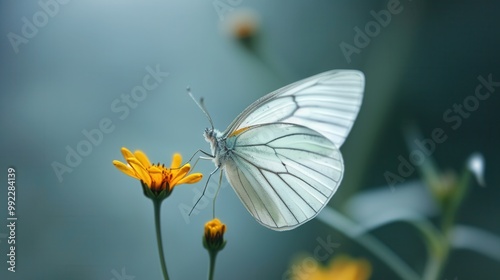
201,105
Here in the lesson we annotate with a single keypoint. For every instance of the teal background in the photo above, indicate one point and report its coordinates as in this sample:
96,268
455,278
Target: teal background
96,221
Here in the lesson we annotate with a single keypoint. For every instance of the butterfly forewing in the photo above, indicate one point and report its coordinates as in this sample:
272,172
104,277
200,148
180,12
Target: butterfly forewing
328,103
283,173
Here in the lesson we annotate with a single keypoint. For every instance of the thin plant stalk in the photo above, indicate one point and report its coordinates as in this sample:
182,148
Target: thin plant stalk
213,256
157,205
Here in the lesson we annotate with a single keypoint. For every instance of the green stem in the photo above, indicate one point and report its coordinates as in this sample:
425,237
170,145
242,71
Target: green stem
451,210
437,258
433,267
213,256
157,205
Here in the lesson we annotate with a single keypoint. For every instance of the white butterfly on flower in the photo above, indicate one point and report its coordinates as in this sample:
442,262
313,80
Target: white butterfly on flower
281,154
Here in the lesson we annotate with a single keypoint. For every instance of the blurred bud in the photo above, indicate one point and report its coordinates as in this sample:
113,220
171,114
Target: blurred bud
444,188
243,25
475,164
450,189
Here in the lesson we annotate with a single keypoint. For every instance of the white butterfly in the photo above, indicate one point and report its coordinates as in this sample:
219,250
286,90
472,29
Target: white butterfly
281,154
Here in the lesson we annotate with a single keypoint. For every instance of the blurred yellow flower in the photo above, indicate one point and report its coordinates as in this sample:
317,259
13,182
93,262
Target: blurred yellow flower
214,234
342,268
155,176
242,24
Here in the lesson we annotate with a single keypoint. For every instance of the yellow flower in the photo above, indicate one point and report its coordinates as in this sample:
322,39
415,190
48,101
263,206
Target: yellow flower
156,177
342,267
214,235
214,229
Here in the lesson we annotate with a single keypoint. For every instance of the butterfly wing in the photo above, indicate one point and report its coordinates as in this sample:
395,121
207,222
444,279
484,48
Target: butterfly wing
328,103
283,173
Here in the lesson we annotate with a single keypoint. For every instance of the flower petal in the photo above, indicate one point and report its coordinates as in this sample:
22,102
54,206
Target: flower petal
139,169
143,158
191,179
156,174
127,169
176,161
126,153
178,174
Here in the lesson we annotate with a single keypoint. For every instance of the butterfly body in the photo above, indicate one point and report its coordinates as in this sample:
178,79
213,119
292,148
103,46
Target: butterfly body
217,145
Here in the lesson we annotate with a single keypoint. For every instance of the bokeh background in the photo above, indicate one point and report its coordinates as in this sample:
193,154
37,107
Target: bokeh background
95,223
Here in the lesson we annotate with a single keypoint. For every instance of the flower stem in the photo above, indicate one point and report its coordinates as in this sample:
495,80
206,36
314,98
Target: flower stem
213,256
438,258
157,205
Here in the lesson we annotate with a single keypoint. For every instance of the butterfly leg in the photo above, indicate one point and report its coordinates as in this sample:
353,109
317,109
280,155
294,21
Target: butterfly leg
216,194
209,156
205,189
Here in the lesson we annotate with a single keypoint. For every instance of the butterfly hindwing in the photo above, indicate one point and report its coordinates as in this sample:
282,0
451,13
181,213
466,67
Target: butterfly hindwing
283,173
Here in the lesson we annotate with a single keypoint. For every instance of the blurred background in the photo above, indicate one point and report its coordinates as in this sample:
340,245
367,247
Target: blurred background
70,67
